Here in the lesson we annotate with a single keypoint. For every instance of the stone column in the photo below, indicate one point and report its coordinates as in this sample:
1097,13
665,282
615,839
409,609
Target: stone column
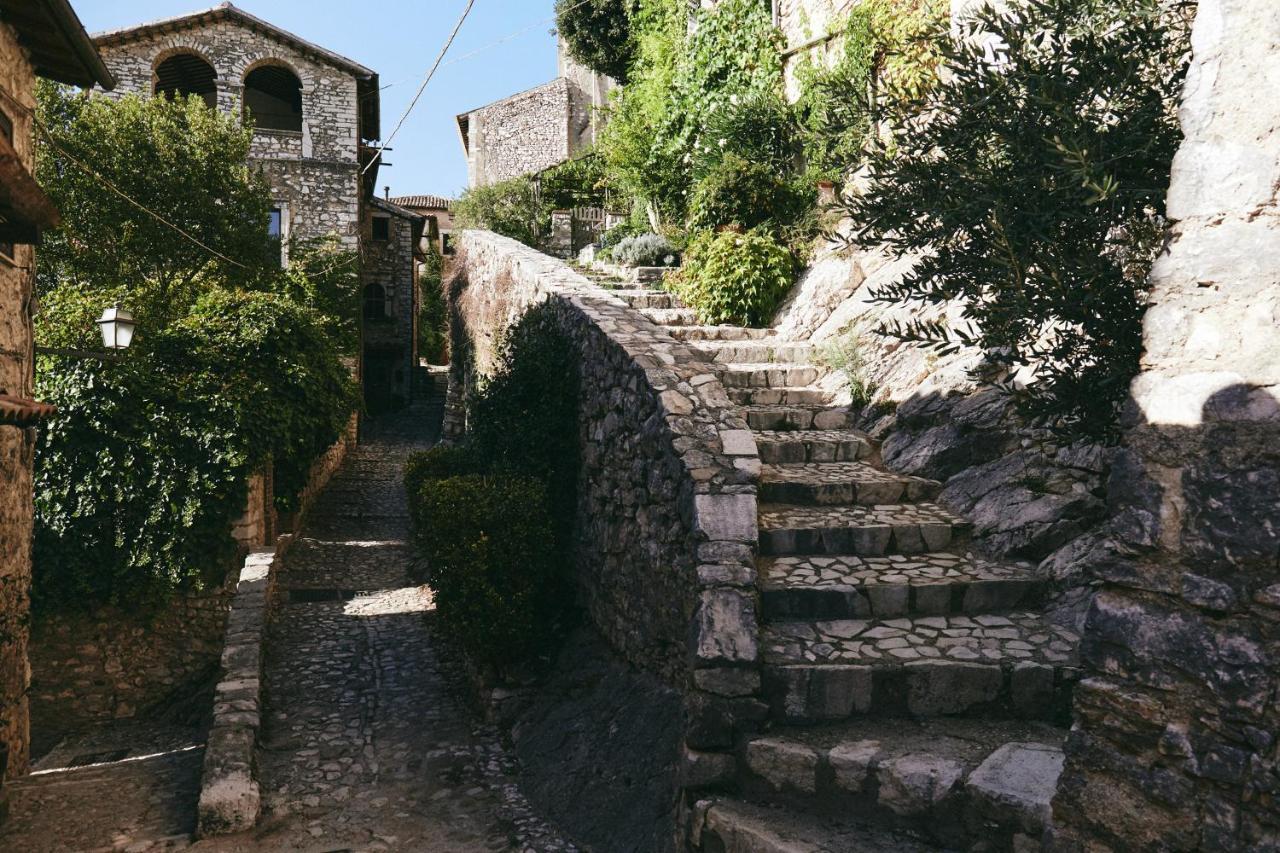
1175,741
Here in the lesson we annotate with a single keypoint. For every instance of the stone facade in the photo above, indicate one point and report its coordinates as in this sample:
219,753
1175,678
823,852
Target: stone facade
536,129
389,277
667,492
1175,744
314,171
17,77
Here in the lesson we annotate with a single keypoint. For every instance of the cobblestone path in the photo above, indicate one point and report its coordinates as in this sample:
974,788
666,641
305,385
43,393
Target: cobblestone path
367,743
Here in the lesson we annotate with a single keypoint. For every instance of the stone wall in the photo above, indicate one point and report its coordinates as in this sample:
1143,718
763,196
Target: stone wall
1175,745
666,529
117,663
314,174
16,446
392,336
521,134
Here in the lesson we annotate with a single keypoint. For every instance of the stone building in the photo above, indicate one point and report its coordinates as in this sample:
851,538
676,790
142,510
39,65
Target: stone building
37,38
389,278
535,129
315,116
439,215
314,112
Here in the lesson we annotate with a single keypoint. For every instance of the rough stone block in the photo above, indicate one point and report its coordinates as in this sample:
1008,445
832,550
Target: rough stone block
912,784
738,442
726,628
947,687
727,518
784,764
706,769
852,764
726,681
1016,783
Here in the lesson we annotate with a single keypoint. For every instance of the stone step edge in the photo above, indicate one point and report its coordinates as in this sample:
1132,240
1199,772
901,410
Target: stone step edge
862,598
816,693
728,825
1009,788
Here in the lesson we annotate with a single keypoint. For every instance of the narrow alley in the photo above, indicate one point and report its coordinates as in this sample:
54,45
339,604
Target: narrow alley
367,745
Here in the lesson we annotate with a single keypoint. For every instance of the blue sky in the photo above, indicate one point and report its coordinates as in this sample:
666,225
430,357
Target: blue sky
399,39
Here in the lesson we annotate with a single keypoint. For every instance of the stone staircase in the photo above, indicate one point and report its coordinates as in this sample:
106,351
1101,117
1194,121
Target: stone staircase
918,695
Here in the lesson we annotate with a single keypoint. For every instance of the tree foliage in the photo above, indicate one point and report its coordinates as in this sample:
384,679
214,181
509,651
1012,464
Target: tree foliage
598,33
179,159
142,474
1031,185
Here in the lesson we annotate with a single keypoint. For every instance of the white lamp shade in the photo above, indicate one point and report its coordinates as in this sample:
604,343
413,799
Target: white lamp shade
117,327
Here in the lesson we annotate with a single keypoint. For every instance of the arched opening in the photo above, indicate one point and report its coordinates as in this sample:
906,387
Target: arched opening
187,74
273,99
375,303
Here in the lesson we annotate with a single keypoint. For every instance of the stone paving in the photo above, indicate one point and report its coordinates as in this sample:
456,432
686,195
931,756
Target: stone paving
984,638
367,742
841,483
843,571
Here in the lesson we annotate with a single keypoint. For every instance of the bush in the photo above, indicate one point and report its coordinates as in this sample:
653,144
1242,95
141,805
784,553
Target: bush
844,354
510,208
735,278
746,194
1029,186
598,34
140,478
647,250
492,560
439,463
759,128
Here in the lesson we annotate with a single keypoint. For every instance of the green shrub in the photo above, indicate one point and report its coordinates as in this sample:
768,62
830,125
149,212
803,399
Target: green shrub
492,560
844,354
760,128
735,278
646,250
139,479
746,194
1030,188
439,463
510,208
598,33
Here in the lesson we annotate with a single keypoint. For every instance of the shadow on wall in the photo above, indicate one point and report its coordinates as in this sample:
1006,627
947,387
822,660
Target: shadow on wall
1174,745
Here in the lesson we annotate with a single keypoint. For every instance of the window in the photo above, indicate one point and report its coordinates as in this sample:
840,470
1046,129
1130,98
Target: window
273,99
6,130
375,303
275,230
187,74
382,228
446,244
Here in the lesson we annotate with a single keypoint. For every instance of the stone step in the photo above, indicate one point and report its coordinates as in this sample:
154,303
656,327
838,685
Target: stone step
935,584
841,483
768,375
1017,664
798,418
720,333
734,826
864,531
954,781
795,446
779,396
671,316
640,299
748,352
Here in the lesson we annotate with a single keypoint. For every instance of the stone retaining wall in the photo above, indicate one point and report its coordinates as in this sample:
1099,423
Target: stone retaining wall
1175,745
667,492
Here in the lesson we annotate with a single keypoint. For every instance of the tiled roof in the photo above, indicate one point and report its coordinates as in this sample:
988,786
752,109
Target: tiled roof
428,202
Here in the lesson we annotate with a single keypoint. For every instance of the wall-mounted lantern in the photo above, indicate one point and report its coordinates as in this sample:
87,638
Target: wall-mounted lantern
117,327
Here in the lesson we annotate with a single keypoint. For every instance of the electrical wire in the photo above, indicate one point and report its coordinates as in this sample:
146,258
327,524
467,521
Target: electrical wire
462,19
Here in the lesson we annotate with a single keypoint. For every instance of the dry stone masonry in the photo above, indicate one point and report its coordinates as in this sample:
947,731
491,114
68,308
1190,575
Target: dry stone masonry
1175,745
313,171
868,604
